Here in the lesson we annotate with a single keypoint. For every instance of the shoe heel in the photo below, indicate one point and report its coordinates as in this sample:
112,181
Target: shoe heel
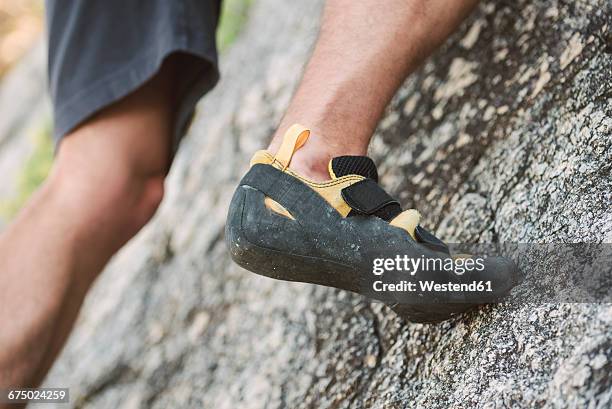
250,236
271,245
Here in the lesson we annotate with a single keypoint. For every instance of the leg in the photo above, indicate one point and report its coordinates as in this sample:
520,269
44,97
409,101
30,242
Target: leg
364,53
106,184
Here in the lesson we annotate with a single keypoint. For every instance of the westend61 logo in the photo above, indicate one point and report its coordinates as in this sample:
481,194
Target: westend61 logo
413,265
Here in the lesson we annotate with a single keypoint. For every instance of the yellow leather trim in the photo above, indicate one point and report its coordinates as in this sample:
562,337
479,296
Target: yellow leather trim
277,207
262,158
330,190
295,137
407,220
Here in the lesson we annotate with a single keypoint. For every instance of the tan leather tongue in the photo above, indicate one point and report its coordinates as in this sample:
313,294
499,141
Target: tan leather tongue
407,220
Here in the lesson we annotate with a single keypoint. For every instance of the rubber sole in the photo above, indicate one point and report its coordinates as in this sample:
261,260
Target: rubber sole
313,270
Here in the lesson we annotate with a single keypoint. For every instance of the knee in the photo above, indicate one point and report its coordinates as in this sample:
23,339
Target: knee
136,198
107,198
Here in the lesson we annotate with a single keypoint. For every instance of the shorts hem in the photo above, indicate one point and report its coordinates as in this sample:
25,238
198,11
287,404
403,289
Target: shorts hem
126,79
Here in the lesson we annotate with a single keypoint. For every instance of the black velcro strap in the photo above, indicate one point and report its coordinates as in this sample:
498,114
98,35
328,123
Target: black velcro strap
367,197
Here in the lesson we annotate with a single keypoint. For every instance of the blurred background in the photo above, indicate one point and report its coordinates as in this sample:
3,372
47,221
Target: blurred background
26,147
21,24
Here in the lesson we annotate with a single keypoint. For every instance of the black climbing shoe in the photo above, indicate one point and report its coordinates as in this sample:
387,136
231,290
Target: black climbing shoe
343,233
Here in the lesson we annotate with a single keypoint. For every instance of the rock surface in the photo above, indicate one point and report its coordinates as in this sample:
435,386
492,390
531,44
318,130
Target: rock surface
504,135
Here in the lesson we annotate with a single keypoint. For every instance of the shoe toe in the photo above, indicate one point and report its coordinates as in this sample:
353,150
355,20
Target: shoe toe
503,274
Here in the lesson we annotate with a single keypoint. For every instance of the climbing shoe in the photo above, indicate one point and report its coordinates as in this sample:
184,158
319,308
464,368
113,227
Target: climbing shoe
348,233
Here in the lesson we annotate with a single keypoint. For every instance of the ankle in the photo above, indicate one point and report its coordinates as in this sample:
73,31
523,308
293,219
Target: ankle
312,160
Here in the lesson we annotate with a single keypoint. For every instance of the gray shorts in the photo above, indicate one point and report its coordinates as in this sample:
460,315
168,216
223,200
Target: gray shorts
102,50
